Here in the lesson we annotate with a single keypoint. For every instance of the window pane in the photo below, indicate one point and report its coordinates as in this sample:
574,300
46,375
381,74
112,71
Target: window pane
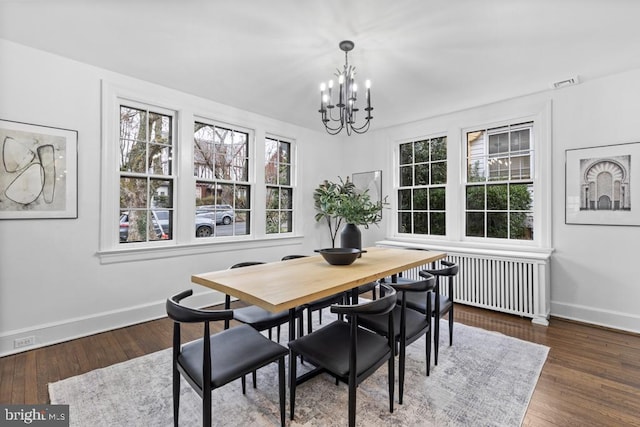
520,167
437,199
522,225
161,193
225,194
439,149
437,224
475,224
499,143
475,197
499,168
286,222
520,140
286,198
241,226
159,159
420,223
285,174
159,128
422,174
406,154
404,222
497,225
271,173
475,170
406,176
497,197
439,173
285,152
420,199
421,151
273,198
133,193
520,197
242,197
272,222
404,199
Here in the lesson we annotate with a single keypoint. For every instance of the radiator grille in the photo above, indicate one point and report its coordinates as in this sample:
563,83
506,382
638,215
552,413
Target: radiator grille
500,284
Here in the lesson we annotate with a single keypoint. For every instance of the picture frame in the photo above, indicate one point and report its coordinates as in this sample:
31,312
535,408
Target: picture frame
38,171
371,181
602,185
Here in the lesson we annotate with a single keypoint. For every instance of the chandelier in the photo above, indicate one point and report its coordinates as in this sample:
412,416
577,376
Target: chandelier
342,115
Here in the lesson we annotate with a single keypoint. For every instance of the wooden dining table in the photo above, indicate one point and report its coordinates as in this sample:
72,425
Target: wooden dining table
285,285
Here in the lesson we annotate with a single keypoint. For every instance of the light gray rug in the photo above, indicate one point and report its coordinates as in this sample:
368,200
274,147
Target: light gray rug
484,379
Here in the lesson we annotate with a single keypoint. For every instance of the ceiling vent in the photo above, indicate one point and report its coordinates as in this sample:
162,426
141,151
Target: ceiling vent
574,80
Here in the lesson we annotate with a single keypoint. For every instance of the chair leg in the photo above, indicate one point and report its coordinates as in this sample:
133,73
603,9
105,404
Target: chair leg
428,358
309,319
282,390
352,403
392,381
320,315
436,338
206,408
401,373
243,380
254,377
451,326
292,382
278,333
176,395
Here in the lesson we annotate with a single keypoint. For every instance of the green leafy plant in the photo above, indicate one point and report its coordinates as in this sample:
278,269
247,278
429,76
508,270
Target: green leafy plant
336,203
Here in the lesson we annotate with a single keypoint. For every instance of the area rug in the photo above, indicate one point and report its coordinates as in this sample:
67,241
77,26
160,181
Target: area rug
484,379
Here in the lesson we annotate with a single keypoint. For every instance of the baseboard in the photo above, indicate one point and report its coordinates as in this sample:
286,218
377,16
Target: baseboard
69,329
607,318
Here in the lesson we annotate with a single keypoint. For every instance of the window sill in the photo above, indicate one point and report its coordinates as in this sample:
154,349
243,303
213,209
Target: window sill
148,253
513,251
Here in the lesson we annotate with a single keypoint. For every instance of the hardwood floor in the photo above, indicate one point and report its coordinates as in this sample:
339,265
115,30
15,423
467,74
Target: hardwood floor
591,376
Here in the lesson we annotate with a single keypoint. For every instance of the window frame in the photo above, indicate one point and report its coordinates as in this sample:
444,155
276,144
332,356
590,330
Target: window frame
291,186
491,181
428,186
250,182
188,108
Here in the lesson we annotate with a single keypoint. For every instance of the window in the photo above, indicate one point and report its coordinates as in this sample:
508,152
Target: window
279,186
421,193
499,182
221,166
146,174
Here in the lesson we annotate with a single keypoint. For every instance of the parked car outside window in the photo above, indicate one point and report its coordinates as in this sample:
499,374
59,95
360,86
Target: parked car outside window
224,214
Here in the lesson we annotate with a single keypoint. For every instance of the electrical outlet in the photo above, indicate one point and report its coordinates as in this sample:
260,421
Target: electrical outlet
24,342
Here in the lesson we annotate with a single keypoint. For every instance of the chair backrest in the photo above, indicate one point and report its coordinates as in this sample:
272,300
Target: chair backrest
246,264
380,306
288,257
181,314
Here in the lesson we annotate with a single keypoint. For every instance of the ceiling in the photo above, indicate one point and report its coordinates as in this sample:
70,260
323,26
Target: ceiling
424,57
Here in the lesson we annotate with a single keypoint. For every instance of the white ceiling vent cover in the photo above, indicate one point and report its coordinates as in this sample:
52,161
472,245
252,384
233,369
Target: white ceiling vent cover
574,80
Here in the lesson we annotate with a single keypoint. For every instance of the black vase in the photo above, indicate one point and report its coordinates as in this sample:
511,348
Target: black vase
350,237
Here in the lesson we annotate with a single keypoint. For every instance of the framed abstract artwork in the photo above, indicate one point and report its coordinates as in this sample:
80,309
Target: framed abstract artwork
602,185
38,171
371,181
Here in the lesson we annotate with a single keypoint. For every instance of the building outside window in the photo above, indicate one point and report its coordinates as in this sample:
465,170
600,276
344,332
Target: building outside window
221,165
146,175
279,186
499,185
422,190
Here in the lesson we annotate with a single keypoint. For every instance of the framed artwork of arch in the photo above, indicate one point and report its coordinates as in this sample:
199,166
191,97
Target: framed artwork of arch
602,185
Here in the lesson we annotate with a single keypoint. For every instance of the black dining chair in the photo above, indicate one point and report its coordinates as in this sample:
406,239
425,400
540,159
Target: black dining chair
213,360
409,325
347,351
442,304
258,317
318,304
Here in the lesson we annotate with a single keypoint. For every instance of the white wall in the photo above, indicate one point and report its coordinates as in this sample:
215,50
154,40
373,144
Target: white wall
594,269
52,283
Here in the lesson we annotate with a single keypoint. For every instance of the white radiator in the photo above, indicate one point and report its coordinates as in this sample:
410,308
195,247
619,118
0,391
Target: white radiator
511,284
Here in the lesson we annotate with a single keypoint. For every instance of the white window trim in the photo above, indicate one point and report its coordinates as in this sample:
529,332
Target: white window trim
109,249
293,158
455,201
